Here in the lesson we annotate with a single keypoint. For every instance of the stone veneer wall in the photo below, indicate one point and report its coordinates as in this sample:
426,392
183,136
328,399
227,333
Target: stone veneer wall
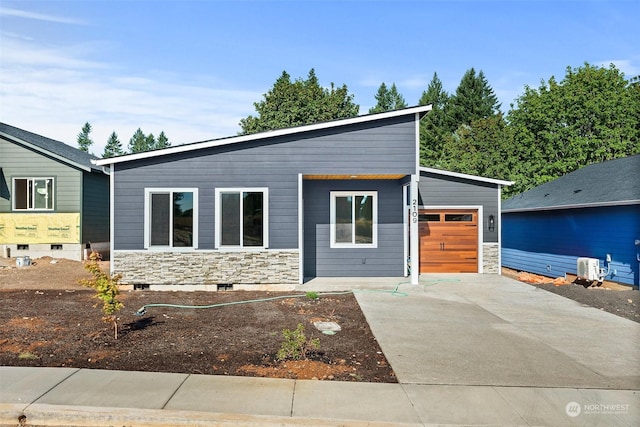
207,268
490,258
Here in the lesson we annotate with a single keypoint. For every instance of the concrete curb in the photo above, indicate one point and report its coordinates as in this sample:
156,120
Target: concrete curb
72,416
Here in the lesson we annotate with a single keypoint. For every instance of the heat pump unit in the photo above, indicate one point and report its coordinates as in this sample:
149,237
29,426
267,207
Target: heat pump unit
589,269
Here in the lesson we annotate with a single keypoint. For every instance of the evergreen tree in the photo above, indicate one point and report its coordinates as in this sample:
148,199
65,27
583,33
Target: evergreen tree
388,99
150,142
84,141
138,142
474,99
113,147
433,127
298,103
162,141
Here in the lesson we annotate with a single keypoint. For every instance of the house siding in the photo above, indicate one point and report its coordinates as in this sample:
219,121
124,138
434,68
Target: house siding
19,161
549,242
439,190
95,208
323,261
385,147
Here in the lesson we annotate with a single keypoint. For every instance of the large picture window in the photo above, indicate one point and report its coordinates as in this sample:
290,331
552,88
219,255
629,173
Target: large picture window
354,219
33,194
242,218
171,218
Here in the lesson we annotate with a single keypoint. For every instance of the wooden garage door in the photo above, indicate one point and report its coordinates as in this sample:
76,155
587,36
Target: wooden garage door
448,241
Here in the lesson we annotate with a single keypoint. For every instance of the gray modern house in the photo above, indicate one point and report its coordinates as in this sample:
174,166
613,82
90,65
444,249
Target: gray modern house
53,200
344,198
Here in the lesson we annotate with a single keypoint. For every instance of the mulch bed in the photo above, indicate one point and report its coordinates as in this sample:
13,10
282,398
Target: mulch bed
623,303
63,328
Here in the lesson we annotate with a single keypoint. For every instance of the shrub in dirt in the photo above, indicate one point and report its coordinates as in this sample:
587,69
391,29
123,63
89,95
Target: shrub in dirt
106,287
296,346
312,295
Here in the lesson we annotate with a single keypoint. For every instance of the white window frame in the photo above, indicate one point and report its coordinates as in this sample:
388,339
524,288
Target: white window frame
33,209
147,218
265,217
353,194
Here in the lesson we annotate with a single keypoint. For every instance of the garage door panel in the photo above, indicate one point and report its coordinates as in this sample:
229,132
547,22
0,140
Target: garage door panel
448,267
448,241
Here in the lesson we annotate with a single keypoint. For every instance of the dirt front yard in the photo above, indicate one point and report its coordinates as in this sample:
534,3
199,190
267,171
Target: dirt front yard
49,320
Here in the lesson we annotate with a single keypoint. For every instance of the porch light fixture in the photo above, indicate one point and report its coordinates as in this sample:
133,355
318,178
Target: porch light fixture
492,223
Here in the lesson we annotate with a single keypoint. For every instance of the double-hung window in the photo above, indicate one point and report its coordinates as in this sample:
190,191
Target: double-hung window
33,194
354,219
171,218
242,218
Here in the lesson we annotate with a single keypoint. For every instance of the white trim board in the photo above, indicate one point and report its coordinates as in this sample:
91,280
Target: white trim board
465,176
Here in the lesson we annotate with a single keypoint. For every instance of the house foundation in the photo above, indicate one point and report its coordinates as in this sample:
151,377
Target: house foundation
207,268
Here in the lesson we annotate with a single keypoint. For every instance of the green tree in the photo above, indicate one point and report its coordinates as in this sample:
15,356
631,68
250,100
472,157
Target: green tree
433,127
113,146
592,115
138,142
483,148
162,141
84,140
388,99
297,103
150,142
474,99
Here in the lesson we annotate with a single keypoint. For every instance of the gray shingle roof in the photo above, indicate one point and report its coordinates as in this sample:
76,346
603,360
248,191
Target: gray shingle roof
614,182
50,146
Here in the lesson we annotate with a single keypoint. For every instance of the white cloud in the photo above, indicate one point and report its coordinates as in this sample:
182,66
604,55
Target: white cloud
52,92
629,67
17,13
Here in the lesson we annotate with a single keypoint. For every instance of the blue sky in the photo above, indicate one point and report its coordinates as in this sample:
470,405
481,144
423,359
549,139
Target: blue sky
195,68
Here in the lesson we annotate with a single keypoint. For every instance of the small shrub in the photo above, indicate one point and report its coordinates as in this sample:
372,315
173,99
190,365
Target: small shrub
27,355
106,287
296,345
312,295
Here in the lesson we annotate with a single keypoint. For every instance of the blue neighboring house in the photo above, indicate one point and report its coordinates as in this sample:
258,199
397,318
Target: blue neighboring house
592,212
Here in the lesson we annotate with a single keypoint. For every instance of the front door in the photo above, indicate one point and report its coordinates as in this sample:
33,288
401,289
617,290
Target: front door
448,241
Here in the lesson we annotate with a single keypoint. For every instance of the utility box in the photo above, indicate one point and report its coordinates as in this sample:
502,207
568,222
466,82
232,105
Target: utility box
589,269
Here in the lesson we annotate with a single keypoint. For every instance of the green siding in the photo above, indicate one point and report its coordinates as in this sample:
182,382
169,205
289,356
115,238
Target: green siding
19,161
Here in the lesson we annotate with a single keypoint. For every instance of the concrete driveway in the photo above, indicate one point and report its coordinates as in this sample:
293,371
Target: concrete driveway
489,330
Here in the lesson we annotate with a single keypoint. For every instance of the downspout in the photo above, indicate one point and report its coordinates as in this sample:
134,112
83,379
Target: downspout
499,227
300,229
112,219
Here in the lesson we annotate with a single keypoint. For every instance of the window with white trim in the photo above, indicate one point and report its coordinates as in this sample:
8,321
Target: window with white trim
354,219
33,194
242,218
171,218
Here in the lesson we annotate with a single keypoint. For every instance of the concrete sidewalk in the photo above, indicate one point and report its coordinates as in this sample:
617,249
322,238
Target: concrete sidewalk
466,349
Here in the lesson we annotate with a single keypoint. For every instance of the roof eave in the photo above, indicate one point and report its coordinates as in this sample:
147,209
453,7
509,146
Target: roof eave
466,176
423,109
574,206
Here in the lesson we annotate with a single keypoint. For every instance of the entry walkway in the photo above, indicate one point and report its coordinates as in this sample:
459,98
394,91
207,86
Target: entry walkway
467,350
